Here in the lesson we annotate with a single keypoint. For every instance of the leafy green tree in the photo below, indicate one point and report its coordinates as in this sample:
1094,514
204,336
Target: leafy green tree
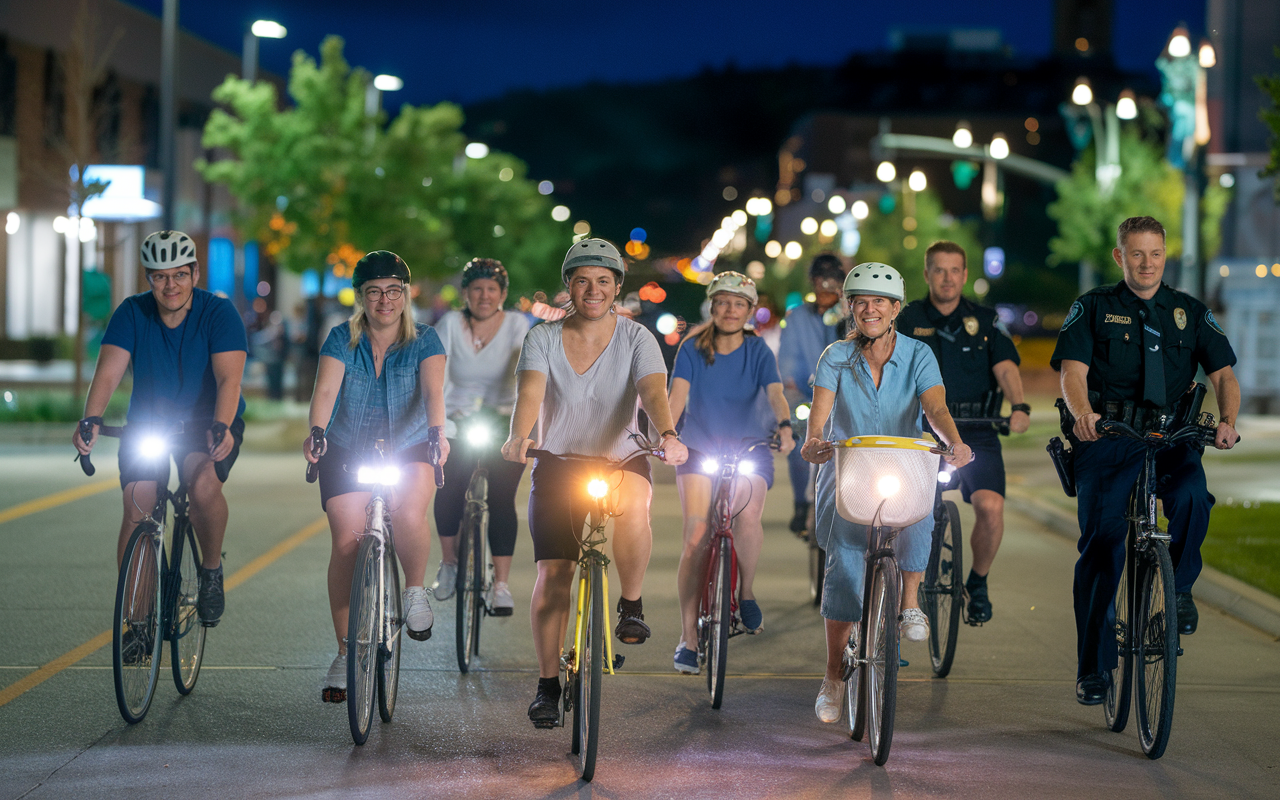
320,183
900,238
1271,85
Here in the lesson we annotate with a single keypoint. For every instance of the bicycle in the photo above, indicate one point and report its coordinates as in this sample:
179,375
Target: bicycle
157,591
885,483
588,649
376,617
475,562
1146,629
718,610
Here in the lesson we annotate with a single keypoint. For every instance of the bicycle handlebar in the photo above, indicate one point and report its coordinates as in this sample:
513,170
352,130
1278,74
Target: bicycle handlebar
1205,434
603,460
433,454
86,431
318,447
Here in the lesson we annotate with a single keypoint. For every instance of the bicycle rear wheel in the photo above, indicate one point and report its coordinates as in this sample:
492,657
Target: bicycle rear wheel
817,570
186,634
389,651
716,619
882,656
586,713
1115,706
1156,662
468,599
136,640
363,638
941,594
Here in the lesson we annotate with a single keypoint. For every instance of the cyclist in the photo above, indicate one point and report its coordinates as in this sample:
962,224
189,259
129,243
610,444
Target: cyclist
483,345
381,376
187,348
806,333
725,382
1106,353
976,357
872,382
580,377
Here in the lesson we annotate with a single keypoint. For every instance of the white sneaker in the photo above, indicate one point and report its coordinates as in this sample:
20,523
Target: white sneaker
418,618
446,581
333,689
499,601
914,626
830,705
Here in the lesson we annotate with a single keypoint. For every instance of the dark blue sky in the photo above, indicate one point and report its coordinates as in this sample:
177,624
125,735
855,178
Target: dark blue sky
475,50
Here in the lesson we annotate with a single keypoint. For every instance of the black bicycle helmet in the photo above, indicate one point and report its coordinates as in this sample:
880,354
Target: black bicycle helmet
490,268
826,265
380,264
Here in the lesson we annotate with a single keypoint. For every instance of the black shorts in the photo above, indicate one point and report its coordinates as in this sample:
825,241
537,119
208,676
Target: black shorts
136,467
338,467
986,471
559,504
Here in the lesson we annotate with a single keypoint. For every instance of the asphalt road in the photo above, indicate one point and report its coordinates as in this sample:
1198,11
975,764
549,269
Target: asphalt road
1005,724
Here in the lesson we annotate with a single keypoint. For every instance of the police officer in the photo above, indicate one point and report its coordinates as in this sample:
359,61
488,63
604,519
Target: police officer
1130,352
977,356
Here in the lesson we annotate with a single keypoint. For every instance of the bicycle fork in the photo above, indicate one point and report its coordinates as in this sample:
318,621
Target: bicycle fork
578,633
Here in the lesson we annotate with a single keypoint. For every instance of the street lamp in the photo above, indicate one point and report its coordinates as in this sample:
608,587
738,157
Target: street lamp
1106,131
999,147
1127,105
886,171
373,92
917,181
963,137
262,29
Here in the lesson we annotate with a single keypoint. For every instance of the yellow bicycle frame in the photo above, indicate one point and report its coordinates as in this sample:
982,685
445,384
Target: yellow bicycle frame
582,593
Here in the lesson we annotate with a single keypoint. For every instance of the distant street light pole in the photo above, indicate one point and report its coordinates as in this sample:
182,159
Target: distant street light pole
373,100
169,109
262,29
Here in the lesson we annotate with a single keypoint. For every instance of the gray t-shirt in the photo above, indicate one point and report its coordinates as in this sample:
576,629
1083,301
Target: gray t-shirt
591,414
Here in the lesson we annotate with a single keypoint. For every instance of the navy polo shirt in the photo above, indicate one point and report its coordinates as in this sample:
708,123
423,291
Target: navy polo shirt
968,342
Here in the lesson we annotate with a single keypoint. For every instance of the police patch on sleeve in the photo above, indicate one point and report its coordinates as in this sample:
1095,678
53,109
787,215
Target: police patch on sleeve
1073,314
1213,323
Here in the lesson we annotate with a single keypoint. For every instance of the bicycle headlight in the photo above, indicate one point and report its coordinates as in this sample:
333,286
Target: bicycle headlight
944,476
152,447
710,465
888,486
385,476
746,467
479,434
802,412
597,488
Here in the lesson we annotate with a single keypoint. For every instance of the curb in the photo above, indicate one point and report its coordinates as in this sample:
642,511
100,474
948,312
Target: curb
1235,597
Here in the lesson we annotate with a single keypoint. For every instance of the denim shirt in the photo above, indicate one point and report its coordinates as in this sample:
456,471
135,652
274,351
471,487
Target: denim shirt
406,409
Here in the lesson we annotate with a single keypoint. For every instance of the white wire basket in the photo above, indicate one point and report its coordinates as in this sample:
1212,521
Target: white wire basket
896,470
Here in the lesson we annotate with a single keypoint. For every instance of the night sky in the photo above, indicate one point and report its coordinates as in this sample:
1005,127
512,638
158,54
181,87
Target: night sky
472,51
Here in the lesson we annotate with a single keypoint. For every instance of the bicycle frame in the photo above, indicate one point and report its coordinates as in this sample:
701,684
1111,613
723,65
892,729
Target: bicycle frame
591,552
376,518
720,522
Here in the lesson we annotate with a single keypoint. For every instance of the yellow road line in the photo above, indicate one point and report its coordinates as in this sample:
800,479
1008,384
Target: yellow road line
75,655
56,499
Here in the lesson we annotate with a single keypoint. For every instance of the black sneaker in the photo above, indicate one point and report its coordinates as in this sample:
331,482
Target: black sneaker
631,626
1091,690
979,603
211,601
1188,616
544,711
800,520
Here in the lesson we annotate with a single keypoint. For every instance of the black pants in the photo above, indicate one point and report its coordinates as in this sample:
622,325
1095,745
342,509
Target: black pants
504,479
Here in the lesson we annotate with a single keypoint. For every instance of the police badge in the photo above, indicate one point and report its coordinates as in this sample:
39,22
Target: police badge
1180,318
971,326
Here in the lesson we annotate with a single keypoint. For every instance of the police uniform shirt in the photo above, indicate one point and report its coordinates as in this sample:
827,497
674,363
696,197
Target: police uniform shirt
1104,329
968,342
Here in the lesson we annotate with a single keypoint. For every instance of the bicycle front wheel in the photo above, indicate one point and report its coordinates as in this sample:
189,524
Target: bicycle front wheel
363,638
717,616
389,651
590,672
136,640
468,599
817,570
1156,657
1115,706
186,634
882,656
941,594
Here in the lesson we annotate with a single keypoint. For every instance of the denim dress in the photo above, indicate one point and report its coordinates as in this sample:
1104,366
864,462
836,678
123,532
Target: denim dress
860,408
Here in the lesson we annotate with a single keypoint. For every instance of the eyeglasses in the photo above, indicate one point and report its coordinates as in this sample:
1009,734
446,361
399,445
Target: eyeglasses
373,294
161,278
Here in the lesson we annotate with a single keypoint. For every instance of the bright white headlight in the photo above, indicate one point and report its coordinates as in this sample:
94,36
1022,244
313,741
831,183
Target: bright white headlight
390,476
152,447
944,476
888,486
802,411
367,475
479,434
710,465
386,476
746,467
597,488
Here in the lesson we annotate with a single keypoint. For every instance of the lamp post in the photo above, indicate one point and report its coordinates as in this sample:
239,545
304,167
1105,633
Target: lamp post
262,29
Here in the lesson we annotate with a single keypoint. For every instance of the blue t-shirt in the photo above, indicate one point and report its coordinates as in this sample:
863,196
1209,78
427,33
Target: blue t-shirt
172,367
728,400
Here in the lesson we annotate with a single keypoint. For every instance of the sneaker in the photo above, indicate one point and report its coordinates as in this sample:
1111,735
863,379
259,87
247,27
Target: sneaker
631,628
418,618
830,705
687,660
752,618
544,711
979,603
498,600
446,581
1188,616
800,519
914,626
333,689
211,602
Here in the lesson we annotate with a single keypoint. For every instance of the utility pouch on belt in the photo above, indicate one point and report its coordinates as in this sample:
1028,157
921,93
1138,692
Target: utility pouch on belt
1064,461
1187,410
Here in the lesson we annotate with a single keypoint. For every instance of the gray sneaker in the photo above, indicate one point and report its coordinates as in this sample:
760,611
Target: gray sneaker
418,618
333,689
499,600
446,581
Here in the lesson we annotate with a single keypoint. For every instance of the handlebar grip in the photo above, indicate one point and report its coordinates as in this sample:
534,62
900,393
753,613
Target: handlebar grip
439,475
313,472
87,465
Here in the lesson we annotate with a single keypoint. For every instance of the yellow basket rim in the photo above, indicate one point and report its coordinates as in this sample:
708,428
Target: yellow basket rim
887,442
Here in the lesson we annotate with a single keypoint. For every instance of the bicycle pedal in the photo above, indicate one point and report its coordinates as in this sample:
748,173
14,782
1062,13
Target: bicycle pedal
331,694
618,658
1179,649
544,724
499,612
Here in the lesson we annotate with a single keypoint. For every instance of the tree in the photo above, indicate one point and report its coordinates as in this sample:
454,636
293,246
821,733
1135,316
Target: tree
900,237
321,183
1271,85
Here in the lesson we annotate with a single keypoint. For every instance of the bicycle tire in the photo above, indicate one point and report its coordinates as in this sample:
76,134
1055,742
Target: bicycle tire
1156,662
466,627
1115,706
363,639
852,685
587,713
720,595
882,657
136,641
186,634
941,594
817,571
389,652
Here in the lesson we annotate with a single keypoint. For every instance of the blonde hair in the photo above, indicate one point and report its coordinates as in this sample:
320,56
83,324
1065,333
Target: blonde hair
408,330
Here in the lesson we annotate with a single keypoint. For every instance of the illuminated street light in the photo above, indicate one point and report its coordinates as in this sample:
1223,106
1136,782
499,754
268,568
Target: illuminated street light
1082,94
886,172
267,29
999,146
917,181
963,137
560,213
836,204
739,217
1179,43
829,228
793,250
262,29
860,209
808,226
388,83
1127,106
1208,58
773,248
477,150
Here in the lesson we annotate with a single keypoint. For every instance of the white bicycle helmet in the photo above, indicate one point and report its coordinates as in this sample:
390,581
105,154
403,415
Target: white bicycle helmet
733,283
593,253
168,249
875,278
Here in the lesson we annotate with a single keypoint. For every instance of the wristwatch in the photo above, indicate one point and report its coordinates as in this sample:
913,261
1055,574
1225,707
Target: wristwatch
786,423
1023,407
